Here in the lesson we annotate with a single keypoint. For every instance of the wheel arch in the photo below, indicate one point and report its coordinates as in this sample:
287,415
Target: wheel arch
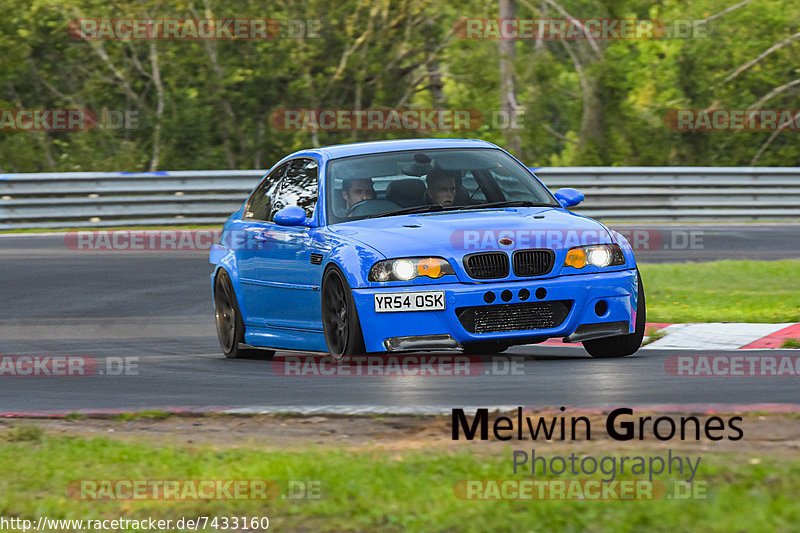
360,259
237,286
333,266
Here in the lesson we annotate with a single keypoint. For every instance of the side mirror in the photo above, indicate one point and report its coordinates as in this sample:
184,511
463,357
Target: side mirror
290,216
568,197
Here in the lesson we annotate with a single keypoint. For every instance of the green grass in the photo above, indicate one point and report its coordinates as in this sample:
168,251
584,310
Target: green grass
23,433
723,291
380,491
124,417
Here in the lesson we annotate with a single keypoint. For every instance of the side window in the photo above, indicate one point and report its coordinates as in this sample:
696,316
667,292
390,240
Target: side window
299,186
259,206
512,188
474,192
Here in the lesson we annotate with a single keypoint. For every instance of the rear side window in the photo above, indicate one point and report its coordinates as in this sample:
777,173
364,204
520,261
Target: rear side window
473,189
299,186
260,204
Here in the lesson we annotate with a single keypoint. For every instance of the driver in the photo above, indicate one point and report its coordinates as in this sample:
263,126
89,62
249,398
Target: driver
441,187
356,190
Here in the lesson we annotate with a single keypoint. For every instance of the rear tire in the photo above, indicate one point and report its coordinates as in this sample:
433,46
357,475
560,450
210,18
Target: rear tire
339,317
622,345
230,327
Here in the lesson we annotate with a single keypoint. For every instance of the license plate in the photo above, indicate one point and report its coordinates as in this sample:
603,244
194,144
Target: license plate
409,301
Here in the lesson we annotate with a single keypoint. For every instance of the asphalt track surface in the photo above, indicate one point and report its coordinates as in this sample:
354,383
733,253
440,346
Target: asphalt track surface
155,308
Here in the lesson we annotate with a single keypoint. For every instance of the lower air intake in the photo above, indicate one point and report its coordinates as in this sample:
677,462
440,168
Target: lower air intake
514,317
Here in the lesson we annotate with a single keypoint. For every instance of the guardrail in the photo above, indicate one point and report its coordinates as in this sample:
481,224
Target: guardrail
105,199
727,194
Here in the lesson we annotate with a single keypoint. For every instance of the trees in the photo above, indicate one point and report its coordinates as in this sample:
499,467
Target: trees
208,103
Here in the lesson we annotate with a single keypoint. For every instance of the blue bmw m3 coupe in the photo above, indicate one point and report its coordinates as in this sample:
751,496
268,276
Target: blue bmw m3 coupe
412,245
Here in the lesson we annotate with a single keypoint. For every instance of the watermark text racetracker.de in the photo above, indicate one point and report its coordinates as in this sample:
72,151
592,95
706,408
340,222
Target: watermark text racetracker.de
733,119
58,120
639,239
400,365
578,489
571,29
67,366
149,240
395,119
195,489
193,29
733,365
467,239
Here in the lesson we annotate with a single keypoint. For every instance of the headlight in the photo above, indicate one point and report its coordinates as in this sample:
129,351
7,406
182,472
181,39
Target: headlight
408,268
599,255
403,269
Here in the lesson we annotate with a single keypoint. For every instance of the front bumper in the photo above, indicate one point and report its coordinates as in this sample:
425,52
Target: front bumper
600,298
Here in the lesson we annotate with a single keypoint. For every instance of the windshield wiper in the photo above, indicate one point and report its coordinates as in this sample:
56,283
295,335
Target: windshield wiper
411,210
438,207
513,203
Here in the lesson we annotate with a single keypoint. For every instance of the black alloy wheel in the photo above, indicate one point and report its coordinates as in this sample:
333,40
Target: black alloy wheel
339,318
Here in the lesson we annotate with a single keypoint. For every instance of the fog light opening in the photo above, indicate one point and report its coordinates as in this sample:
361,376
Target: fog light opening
524,294
541,292
600,308
506,295
489,297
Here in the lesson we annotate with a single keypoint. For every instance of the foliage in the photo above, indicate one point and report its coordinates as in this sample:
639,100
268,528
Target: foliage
206,104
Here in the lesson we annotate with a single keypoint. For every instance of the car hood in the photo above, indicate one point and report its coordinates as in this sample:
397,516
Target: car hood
454,234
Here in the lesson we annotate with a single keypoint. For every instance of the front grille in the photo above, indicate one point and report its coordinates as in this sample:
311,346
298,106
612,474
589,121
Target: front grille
486,265
513,317
529,263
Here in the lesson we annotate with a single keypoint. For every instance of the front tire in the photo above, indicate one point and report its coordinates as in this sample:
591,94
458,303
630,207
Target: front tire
622,345
230,327
339,317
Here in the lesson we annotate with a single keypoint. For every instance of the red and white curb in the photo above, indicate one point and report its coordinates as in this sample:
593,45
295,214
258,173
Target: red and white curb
724,336
714,336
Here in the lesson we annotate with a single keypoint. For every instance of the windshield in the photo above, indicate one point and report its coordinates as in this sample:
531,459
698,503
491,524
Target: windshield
428,180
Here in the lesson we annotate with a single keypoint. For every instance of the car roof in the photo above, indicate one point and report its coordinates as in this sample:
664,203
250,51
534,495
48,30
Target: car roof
363,148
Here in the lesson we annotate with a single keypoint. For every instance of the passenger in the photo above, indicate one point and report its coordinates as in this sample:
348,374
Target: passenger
356,190
441,187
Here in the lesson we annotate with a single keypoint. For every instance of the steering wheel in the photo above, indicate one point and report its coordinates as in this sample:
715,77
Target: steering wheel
371,207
